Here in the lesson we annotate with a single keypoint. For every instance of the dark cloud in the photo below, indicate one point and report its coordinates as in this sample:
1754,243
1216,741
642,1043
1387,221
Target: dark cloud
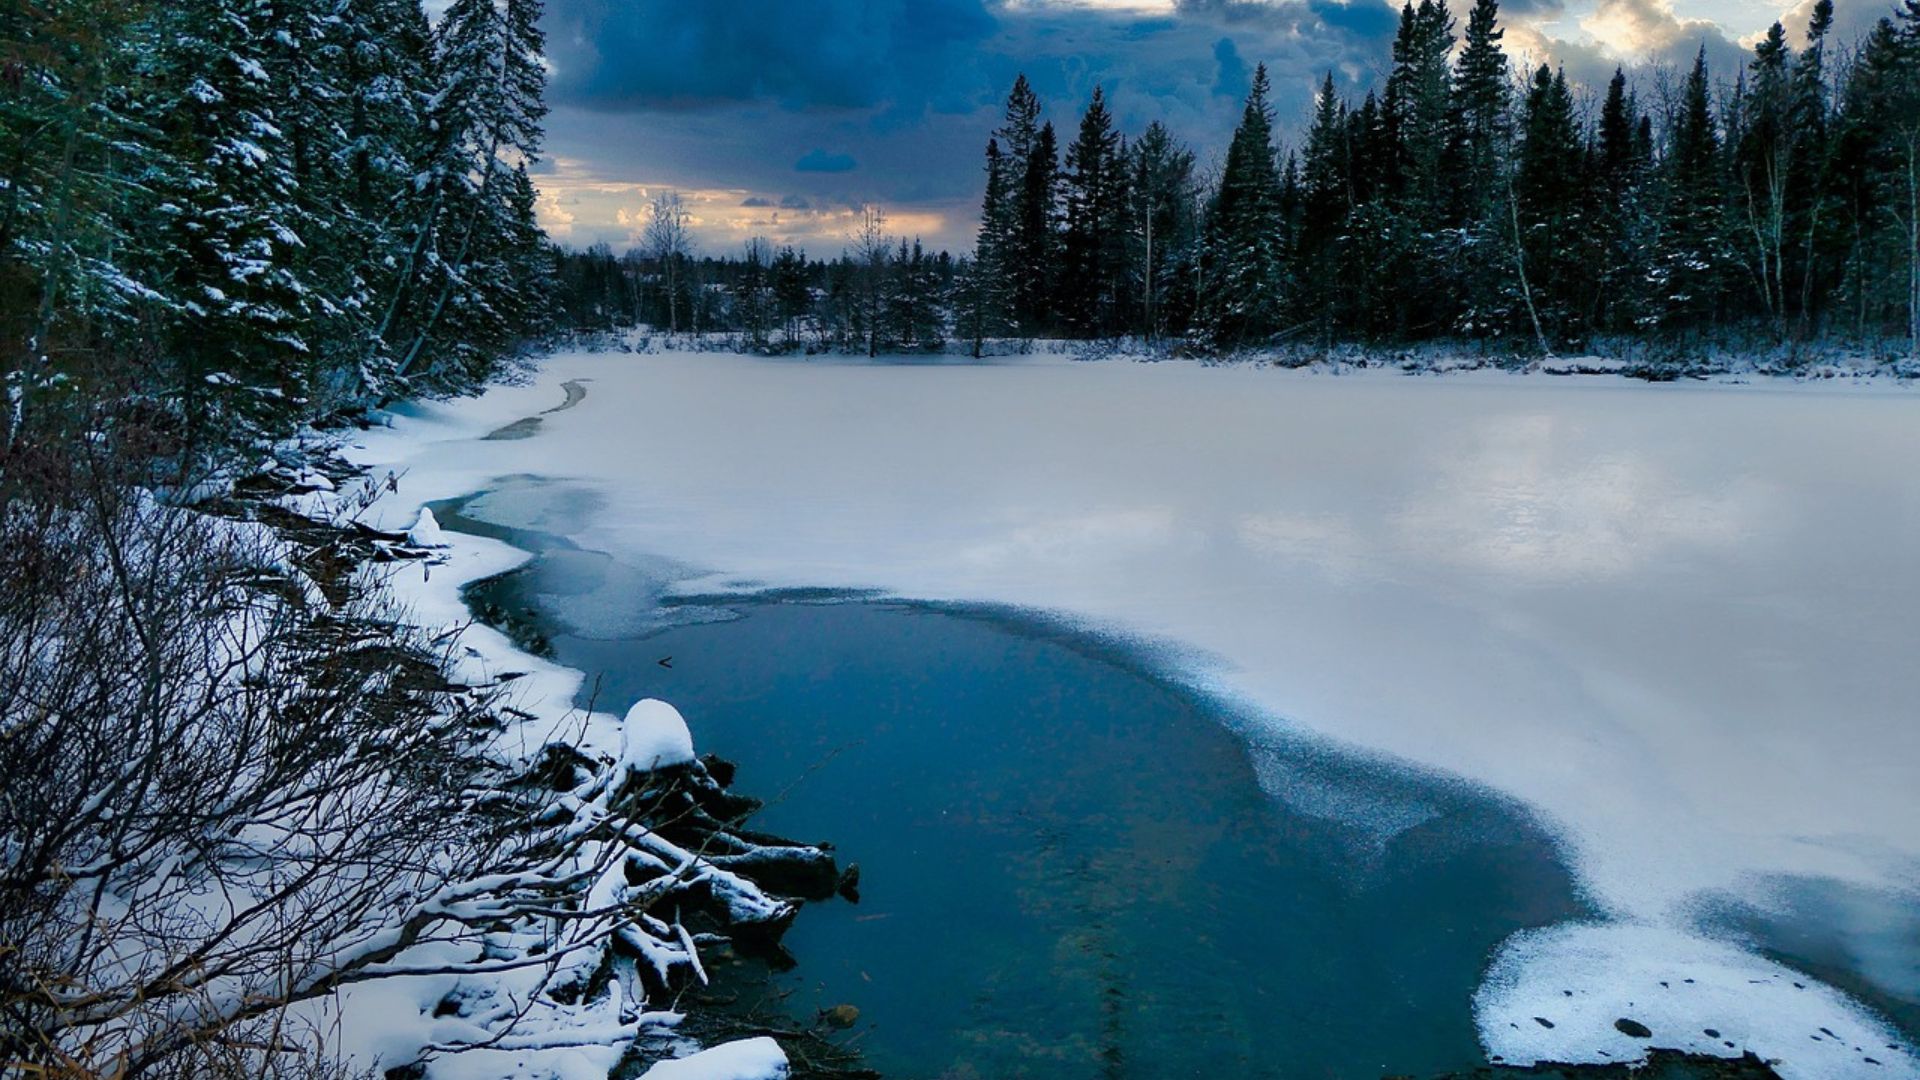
755,202
818,160
1363,18
832,54
1232,80
795,202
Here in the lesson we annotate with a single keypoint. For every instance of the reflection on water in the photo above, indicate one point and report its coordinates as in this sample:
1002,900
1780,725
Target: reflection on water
1070,867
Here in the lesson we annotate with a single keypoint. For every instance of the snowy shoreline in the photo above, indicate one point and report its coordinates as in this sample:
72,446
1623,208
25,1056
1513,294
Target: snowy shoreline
1837,369
398,1019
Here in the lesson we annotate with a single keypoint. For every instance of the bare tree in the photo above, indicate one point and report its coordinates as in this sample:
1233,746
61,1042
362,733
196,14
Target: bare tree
872,249
665,240
233,786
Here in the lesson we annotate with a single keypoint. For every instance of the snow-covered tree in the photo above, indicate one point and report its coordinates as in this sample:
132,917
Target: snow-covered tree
1245,271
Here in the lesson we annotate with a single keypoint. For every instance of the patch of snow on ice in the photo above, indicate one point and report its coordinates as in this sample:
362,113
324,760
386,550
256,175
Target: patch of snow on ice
744,1059
1597,988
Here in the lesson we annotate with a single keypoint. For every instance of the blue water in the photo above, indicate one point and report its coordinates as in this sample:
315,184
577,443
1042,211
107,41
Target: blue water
1070,867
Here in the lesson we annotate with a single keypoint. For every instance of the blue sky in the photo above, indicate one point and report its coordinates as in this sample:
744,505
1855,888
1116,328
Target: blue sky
778,118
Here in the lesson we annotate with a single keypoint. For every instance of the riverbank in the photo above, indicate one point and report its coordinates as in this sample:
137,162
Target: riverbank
715,887
1631,362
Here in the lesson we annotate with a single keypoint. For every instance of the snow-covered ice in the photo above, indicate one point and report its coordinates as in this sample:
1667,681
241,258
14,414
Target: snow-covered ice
744,1059
1677,620
1574,985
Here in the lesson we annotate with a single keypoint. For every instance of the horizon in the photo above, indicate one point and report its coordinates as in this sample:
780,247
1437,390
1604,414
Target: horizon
783,124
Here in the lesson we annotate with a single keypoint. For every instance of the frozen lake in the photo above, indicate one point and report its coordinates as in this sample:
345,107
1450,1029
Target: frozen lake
1678,622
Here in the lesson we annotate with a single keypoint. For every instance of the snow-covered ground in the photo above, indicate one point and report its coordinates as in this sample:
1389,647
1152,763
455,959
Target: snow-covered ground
1678,620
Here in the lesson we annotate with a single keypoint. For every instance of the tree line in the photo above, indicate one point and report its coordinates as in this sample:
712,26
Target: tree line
243,214
881,293
1461,201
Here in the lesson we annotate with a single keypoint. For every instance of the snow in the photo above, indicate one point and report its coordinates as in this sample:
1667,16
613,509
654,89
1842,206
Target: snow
654,735
426,531
1584,979
745,1059
1676,620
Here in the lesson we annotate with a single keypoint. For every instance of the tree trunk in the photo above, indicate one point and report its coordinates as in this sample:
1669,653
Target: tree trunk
1520,267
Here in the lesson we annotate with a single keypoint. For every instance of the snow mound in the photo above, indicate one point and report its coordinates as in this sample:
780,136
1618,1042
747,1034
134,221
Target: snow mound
426,531
1610,992
653,736
745,1059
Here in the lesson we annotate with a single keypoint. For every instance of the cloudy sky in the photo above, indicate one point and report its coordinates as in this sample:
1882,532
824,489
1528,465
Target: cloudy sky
777,118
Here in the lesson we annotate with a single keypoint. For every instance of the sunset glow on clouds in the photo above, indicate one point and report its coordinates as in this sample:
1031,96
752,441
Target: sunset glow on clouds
780,120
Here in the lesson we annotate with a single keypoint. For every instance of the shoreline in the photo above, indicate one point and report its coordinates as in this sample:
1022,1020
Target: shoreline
1729,368
743,886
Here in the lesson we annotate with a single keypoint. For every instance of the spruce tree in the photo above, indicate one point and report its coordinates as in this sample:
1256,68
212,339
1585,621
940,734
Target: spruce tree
1480,111
1690,261
1037,234
1478,151
76,151
1622,223
1326,202
1161,230
1764,153
1416,108
1377,238
1810,202
487,117
1245,270
1031,162
1093,243
388,81
986,302
1550,202
227,214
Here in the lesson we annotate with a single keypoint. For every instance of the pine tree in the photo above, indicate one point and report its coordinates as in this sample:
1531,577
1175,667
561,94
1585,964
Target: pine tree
1326,203
1245,271
1480,111
1622,221
1479,147
487,116
1690,260
1092,246
227,214
986,303
1037,234
1415,110
1764,153
75,146
1161,230
1811,201
1549,191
